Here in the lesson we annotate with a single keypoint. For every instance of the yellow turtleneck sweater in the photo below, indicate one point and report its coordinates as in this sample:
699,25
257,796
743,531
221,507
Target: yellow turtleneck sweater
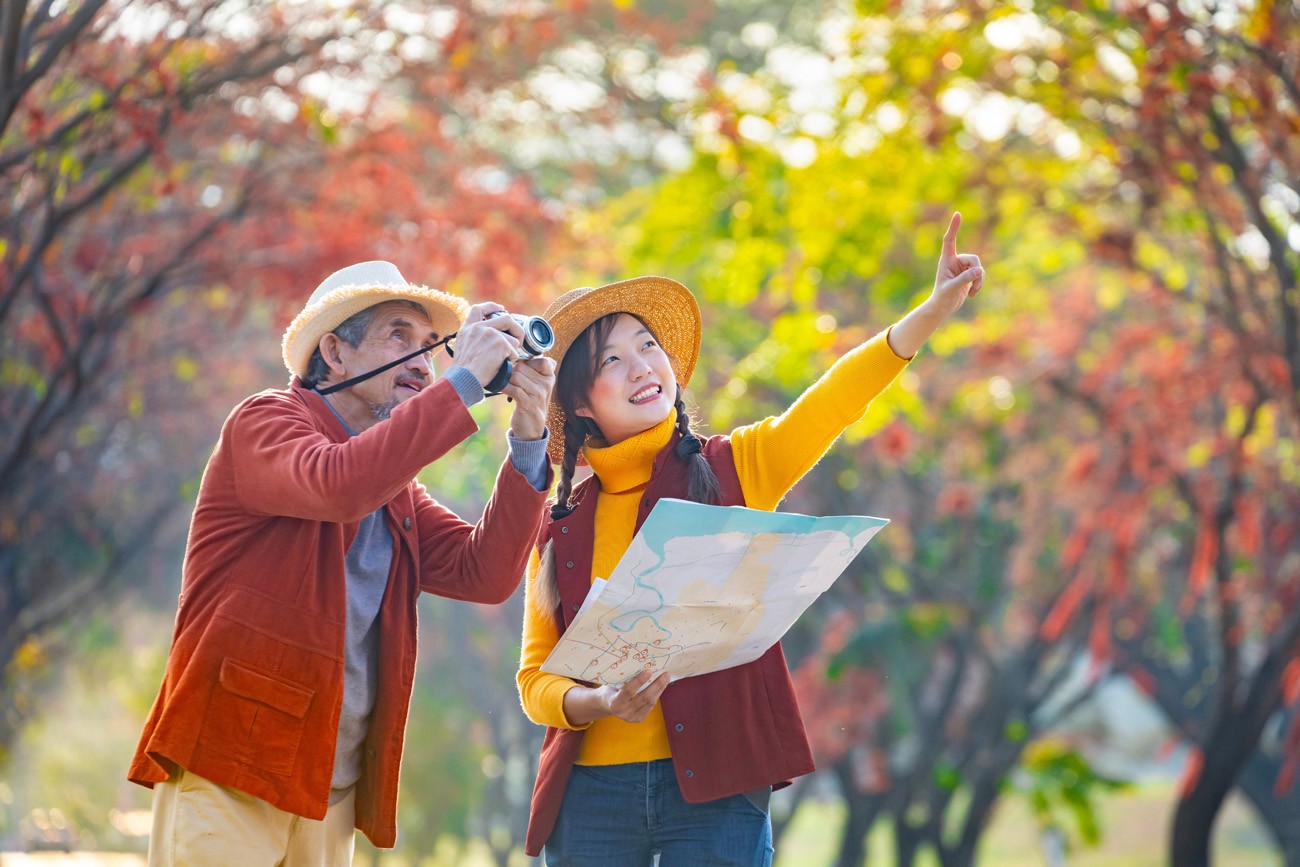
770,455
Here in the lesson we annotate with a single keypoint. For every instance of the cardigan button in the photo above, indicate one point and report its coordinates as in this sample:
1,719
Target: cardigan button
576,606
569,564
680,727
406,524
564,529
690,773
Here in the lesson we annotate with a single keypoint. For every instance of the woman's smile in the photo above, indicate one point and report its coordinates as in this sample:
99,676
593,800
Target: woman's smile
646,394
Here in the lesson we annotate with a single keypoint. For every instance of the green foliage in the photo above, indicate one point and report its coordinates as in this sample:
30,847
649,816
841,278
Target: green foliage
1056,779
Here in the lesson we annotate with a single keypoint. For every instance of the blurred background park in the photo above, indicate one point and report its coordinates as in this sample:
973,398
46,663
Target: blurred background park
1077,641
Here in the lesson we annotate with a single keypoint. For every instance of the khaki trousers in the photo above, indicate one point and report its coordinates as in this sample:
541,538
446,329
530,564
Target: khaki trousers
197,823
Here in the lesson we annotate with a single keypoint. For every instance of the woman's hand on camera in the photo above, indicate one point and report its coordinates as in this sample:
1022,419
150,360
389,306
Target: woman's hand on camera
629,702
531,384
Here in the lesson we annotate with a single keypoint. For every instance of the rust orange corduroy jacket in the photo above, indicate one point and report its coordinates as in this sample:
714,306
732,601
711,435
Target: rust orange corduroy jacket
730,731
252,689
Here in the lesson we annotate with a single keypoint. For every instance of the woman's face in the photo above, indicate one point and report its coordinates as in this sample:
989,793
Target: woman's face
634,386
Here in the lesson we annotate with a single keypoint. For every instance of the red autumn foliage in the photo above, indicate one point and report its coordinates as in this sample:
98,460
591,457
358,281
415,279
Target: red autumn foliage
894,443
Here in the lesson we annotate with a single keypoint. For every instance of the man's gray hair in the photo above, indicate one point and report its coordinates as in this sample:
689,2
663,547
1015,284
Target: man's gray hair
351,331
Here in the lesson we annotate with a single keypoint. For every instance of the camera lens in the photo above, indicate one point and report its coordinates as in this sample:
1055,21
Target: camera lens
540,334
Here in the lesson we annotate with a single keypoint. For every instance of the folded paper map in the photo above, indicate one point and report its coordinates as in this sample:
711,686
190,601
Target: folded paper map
703,588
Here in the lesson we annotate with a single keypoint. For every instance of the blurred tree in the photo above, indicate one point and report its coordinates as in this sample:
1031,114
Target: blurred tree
1154,143
185,172
1191,112
95,229
182,174
71,755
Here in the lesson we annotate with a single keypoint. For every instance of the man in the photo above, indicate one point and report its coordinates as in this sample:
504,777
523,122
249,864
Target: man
279,724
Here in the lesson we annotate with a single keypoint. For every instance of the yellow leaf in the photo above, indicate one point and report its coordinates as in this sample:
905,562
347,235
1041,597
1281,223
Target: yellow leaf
30,655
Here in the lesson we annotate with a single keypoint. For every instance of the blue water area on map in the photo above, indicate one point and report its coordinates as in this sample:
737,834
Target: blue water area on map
671,519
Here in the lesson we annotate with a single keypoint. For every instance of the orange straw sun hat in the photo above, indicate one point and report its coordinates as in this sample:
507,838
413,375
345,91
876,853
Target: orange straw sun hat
665,305
350,290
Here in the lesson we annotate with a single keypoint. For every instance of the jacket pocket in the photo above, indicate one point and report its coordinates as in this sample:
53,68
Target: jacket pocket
256,716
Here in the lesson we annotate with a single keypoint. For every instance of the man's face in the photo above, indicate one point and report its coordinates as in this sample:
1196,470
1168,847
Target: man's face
396,330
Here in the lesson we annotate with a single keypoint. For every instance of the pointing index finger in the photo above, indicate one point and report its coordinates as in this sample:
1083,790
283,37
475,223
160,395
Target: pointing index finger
950,236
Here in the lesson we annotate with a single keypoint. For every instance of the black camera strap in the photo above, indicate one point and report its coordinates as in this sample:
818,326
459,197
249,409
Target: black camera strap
348,383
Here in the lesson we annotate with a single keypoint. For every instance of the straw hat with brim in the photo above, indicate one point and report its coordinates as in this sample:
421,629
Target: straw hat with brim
347,292
666,306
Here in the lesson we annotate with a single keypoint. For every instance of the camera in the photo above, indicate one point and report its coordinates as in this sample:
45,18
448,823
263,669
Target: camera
538,337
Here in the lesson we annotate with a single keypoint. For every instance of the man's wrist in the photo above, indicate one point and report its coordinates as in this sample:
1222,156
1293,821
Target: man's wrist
528,431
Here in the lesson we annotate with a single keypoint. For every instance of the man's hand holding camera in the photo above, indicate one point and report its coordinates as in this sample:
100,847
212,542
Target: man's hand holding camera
486,340
491,337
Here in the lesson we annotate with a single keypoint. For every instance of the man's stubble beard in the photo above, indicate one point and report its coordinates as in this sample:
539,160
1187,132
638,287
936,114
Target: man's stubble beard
382,410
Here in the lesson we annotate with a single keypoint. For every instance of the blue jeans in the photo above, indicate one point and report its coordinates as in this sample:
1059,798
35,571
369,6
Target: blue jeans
621,815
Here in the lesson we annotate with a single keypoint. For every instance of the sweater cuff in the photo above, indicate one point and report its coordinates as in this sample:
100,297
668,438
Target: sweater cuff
891,347
529,458
568,725
465,383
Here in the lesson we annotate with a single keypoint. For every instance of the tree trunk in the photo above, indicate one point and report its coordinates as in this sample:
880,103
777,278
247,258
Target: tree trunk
907,843
797,791
1233,735
1199,807
1193,825
1281,815
853,837
862,810
984,797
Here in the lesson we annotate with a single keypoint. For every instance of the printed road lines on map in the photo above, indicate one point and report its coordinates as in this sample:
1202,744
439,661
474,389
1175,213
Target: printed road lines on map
638,638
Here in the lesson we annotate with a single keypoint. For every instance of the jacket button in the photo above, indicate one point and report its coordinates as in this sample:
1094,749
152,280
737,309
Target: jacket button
406,523
690,773
564,529
576,607
680,727
569,564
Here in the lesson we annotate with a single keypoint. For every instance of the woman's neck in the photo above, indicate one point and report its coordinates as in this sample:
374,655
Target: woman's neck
626,464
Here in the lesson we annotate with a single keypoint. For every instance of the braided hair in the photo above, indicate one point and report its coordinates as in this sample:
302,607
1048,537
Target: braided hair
701,482
573,384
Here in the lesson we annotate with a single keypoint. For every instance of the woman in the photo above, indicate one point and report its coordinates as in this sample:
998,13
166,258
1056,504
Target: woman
684,770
